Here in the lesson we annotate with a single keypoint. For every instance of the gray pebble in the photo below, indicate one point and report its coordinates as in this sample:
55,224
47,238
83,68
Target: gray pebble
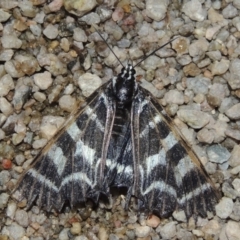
20,96
6,84
193,9
39,143
6,54
229,11
174,96
5,106
205,136
4,178
3,200
224,208
229,191
16,231
142,231
21,217
4,16
50,31
232,230
91,18
50,125
79,9
168,231
234,79
156,9
198,84
218,154
67,103
11,210
89,83
43,80
234,112
195,119
79,35
11,41
219,68
214,55
234,160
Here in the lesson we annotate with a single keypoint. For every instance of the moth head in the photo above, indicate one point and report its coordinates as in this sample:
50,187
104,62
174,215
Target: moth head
124,85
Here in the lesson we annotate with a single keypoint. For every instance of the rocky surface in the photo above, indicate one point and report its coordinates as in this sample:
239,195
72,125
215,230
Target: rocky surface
52,59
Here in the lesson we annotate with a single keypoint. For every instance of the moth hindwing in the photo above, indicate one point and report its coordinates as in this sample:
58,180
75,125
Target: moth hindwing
121,138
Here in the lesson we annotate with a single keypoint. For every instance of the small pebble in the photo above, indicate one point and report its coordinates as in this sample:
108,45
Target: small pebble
156,9
142,231
234,159
193,9
195,119
76,228
232,230
11,41
102,234
89,83
50,125
168,231
234,112
224,208
43,80
50,31
218,154
67,103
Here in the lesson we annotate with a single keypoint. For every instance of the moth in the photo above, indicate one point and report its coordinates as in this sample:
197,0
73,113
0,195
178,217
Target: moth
122,137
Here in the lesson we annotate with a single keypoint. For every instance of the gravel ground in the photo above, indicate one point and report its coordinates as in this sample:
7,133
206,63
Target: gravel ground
51,58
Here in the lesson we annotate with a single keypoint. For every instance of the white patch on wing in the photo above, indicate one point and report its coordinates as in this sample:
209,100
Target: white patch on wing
169,141
196,192
184,166
74,132
151,124
93,117
155,160
43,179
56,155
162,187
77,177
123,169
86,152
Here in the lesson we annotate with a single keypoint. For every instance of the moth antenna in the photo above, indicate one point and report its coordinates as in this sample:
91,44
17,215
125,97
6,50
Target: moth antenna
155,51
108,46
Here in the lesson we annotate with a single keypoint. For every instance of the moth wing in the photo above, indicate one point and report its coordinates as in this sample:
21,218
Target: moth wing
71,167
167,174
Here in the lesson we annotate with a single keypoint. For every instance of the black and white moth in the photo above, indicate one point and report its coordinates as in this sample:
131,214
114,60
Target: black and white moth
122,137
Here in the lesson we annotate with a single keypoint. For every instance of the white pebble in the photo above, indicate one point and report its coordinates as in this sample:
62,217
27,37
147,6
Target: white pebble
39,96
174,96
6,84
11,209
193,9
11,41
69,89
43,80
50,125
3,200
142,231
234,160
102,234
50,31
39,143
76,228
2,134
224,207
79,35
15,231
195,119
168,231
156,9
232,230
67,103
5,107
236,184
89,83
21,217
4,16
